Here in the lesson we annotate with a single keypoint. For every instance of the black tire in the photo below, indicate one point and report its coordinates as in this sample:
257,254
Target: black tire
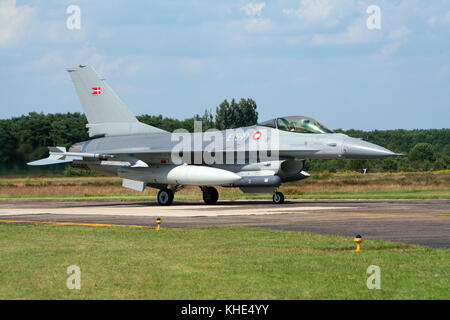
278,198
210,195
165,197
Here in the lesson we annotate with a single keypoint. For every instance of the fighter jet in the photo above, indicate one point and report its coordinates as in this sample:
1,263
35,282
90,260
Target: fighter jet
256,159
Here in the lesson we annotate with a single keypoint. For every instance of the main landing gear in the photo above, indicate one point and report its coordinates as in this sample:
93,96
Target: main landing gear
278,198
165,197
210,195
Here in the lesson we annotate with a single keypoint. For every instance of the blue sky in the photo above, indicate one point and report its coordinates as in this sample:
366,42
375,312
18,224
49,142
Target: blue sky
178,58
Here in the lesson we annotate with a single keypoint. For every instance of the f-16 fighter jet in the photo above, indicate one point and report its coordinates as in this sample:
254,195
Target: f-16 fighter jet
256,159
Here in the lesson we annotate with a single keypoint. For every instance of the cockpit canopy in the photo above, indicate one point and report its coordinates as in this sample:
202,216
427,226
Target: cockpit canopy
299,124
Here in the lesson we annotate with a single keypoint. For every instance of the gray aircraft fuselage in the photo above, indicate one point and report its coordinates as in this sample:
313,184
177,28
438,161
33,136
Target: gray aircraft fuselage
156,149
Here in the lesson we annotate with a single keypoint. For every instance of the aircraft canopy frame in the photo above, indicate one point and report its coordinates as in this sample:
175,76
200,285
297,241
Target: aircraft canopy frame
300,124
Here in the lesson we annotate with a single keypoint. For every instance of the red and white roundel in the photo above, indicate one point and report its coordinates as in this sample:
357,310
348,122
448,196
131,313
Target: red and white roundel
257,135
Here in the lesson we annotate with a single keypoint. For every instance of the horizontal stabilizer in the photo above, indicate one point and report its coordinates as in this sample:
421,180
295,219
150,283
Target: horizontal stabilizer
48,161
60,155
57,155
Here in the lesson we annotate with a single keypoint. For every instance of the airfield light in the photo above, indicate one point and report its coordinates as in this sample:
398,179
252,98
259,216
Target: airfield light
358,239
158,221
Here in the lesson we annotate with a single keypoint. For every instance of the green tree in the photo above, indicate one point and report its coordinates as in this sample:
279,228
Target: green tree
442,163
224,117
7,143
235,115
357,165
247,114
389,164
421,152
207,120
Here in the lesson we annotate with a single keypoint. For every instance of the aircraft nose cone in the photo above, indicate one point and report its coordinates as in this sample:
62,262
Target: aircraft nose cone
359,149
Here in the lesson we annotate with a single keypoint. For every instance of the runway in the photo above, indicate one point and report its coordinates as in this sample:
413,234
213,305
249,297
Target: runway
424,222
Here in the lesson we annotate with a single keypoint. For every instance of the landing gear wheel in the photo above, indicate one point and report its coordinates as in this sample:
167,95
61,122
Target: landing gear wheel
165,197
278,198
210,195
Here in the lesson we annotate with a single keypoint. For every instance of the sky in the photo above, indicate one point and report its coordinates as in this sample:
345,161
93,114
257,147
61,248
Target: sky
339,61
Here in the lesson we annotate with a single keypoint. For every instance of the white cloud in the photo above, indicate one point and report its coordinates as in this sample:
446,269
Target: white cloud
398,33
254,23
132,69
312,11
48,60
327,13
432,21
447,18
356,32
388,50
104,65
192,65
259,25
253,9
439,20
66,57
56,31
14,21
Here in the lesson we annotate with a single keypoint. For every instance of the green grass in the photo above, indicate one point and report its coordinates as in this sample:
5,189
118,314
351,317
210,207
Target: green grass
211,263
436,193
325,185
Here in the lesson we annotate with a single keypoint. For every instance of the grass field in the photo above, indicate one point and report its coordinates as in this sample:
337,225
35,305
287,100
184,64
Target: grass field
411,185
211,263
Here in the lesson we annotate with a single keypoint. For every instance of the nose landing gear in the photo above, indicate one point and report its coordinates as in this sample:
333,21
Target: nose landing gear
278,197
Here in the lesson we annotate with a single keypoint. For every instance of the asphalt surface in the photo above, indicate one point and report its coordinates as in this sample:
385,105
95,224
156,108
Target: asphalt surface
424,222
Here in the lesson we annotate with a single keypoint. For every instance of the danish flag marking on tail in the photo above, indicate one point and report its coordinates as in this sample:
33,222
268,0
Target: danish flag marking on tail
97,90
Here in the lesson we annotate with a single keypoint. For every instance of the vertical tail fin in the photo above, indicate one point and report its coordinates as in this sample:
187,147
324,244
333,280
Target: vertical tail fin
107,115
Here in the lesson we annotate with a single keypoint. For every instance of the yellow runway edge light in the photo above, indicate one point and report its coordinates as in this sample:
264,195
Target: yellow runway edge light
358,239
158,221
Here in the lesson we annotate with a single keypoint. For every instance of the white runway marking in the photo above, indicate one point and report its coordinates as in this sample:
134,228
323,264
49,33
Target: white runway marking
156,211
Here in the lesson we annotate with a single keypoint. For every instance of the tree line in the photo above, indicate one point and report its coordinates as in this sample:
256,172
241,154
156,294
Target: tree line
26,138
